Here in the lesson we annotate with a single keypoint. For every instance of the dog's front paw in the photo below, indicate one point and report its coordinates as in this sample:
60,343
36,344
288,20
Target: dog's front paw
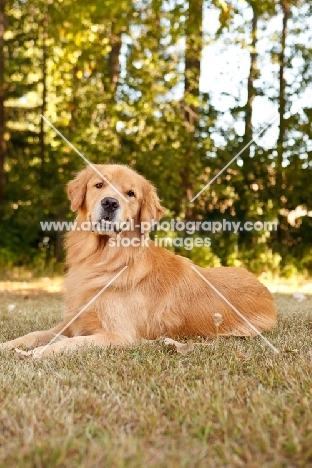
43,351
7,345
40,352
20,353
36,353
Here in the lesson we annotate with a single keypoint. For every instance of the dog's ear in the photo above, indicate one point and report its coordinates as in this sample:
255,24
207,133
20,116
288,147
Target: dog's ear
76,189
151,209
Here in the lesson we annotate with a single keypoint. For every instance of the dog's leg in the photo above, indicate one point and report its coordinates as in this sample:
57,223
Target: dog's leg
34,339
72,344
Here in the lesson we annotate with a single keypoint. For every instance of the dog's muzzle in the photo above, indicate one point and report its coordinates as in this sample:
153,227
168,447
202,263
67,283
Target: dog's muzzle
109,208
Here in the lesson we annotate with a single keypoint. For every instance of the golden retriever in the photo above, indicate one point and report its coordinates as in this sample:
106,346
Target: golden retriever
157,294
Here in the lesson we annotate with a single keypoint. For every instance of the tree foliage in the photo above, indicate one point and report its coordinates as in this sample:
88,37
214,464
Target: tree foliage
128,82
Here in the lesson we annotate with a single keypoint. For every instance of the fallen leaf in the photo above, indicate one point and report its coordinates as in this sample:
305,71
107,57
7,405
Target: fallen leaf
241,357
181,348
291,350
299,296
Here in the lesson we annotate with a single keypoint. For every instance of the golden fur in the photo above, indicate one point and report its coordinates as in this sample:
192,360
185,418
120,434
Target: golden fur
159,294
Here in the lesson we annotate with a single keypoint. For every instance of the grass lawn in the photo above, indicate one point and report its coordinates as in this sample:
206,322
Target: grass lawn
231,403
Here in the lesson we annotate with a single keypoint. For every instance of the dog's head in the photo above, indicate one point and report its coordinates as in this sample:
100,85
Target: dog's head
112,195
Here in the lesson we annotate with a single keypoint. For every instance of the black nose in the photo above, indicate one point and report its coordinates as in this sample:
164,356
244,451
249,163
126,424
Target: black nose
110,204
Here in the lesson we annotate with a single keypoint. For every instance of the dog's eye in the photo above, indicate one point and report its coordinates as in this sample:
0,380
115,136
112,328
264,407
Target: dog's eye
131,193
100,185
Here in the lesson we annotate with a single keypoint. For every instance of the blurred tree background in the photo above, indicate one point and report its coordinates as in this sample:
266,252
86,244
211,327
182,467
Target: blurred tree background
175,89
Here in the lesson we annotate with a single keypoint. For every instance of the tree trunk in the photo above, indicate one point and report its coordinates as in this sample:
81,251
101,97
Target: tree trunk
251,92
245,239
113,60
111,72
282,85
44,95
193,51
280,175
3,146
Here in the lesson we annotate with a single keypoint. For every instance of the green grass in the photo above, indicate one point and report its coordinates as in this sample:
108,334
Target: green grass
231,404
